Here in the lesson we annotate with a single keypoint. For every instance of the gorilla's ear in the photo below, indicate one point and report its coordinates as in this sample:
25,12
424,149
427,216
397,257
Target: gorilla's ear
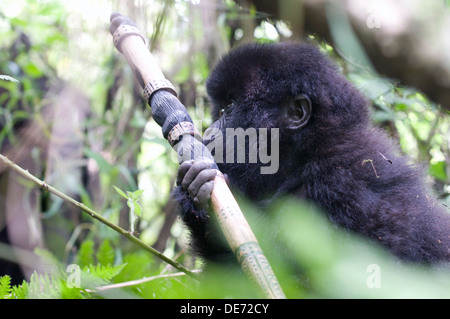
297,111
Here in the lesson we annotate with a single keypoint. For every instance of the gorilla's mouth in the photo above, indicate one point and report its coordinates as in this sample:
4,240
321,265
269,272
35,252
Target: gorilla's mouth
237,146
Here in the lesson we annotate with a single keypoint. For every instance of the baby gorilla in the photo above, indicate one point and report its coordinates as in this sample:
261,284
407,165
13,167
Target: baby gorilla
329,154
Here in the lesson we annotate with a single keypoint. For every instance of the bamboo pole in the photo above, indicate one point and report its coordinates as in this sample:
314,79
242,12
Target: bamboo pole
173,116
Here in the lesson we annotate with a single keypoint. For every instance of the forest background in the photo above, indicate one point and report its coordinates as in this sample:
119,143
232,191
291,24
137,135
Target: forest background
72,114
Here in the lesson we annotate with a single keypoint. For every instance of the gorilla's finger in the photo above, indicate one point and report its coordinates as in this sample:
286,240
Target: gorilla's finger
184,167
203,177
191,174
204,194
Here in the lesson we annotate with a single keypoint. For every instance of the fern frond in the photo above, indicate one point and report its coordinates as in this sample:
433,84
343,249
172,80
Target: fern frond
21,291
85,256
5,287
103,272
105,254
8,78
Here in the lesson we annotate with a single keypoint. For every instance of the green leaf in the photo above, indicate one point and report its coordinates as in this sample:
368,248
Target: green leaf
105,254
120,192
32,70
44,286
105,272
372,87
137,266
139,192
438,170
8,78
5,287
134,196
20,292
18,22
137,208
85,256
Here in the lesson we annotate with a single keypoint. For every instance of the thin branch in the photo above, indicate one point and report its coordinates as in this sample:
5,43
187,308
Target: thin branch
94,215
136,282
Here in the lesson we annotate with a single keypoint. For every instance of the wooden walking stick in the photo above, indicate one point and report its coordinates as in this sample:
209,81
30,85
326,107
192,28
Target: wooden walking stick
179,130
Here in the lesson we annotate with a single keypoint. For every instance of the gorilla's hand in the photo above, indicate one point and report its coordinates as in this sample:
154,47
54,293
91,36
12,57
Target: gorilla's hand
197,178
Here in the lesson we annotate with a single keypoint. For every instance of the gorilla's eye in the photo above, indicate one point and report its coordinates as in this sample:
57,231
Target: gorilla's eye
226,109
229,106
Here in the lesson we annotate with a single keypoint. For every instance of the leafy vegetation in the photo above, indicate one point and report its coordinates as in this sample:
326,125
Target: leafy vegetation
61,79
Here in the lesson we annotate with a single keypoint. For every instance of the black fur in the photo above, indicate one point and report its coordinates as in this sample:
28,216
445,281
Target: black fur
338,160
